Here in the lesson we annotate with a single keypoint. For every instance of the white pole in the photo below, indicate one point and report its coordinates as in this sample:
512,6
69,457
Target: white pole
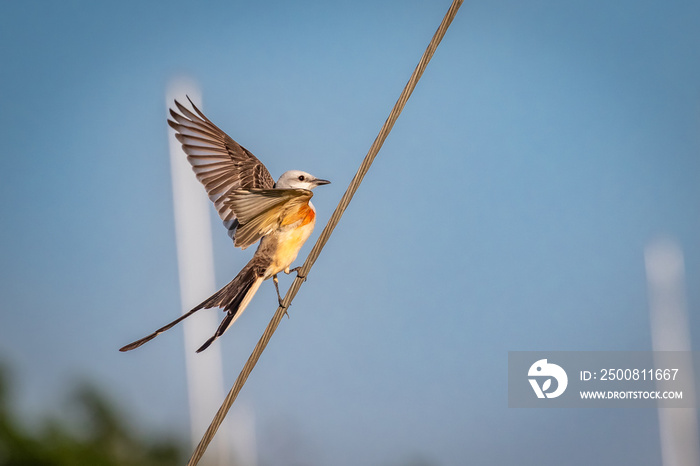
195,259
678,427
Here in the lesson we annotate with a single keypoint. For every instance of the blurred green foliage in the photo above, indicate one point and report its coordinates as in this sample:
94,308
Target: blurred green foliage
102,436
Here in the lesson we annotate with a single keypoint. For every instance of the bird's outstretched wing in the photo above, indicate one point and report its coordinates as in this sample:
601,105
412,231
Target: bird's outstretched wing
220,163
261,211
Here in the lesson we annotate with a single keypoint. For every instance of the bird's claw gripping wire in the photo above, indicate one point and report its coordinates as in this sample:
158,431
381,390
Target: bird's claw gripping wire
297,269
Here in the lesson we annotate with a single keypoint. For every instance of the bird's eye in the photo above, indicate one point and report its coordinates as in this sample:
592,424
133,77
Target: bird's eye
301,177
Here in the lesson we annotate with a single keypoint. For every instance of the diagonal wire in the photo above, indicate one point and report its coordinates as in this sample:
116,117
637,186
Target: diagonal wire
325,235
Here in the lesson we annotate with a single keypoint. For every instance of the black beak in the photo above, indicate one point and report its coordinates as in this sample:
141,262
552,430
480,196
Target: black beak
318,182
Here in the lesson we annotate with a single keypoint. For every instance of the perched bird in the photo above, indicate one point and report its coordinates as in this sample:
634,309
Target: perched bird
253,208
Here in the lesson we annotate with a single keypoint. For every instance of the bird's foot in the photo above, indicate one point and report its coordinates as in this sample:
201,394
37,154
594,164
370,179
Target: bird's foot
296,269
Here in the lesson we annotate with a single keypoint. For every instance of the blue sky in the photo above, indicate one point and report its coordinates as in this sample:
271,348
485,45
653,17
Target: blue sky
545,146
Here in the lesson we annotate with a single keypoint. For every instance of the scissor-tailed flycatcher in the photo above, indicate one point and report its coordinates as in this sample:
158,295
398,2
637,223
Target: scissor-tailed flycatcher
252,206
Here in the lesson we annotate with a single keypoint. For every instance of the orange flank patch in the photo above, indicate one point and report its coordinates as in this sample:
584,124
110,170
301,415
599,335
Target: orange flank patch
303,214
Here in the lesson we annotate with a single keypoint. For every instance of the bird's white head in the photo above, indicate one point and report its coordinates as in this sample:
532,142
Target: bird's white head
297,179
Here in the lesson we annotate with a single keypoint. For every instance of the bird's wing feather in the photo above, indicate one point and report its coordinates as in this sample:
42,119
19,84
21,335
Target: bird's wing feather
220,163
261,211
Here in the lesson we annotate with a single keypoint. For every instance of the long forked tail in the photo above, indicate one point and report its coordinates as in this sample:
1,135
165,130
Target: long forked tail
233,301
232,298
